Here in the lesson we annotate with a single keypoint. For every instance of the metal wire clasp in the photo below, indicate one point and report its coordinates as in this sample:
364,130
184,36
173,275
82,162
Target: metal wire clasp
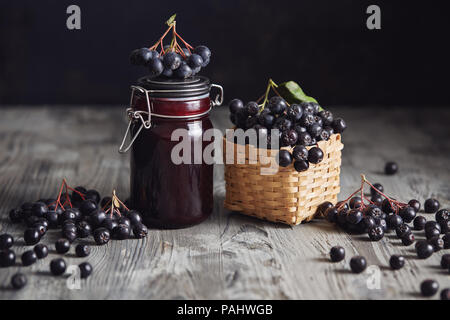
134,115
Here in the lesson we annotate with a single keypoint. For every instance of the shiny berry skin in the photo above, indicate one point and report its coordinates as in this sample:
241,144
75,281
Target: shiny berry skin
429,288
88,207
424,249
135,217
339,125
183,72
68,214
109,223
85,270
432,225
172,60
445,294
307,120
431,233
18,281
414,204
93,195
289,137
374,212
388,207
315,155
195,61
204,52
354,216
377,199
442,216
408,239
324,135
97,218
29,257
394,221
121,232
367,223
140,231
315,130
402,230
82,250
6,241
101,236
397,262
58,266
69,235
408,214
330,214
337,254
382,223
155,66
376,233
7,258
283,124
277,105
84,229
419,223
251,108
301,165
304,139
323,207
41,250
437,243
358,264
284,158
355,202
62,245
445,261
378,187
31,236
52,217
431,205
295,112
327,117
391,168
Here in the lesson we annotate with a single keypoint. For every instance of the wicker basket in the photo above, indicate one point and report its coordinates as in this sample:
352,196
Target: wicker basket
288,196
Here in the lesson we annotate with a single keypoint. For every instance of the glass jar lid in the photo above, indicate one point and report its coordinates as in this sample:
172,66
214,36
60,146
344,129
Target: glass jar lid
173,88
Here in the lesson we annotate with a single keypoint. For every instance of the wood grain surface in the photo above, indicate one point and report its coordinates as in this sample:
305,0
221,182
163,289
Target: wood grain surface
230,256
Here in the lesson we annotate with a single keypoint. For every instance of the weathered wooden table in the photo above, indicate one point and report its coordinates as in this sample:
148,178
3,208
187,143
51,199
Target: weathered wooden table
229,256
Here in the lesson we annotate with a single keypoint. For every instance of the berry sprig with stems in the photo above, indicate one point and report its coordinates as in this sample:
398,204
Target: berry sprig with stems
174,45
271,85
395,205
65,187
114,205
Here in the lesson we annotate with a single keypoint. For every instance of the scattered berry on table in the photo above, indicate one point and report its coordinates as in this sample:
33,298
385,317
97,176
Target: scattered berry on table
7,258
429,287
6,241
31,236
29,257
424,249
376,233
408,214
391,168
41,250
415,204
431,205
358,264
437,243
408,239
85,269
58,266
62,245
445,294
82,250
18,281
337,254
419,223
397,262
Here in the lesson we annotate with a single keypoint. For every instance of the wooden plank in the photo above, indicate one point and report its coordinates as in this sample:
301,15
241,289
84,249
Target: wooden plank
229,256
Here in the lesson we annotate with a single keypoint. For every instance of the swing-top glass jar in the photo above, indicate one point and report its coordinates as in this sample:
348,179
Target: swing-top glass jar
167,194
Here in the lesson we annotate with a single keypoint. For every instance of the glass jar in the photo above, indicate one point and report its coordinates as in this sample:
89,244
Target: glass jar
167,194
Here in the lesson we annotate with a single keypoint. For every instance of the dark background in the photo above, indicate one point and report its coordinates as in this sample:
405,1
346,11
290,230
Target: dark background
323,45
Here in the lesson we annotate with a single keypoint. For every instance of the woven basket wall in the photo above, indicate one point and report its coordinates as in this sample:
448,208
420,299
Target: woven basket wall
288,196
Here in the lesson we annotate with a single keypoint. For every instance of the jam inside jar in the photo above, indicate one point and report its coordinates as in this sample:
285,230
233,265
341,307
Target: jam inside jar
167,193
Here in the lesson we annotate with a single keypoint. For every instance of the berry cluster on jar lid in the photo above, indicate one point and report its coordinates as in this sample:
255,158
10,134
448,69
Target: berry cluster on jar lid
380,214
301,125
178,60
79,214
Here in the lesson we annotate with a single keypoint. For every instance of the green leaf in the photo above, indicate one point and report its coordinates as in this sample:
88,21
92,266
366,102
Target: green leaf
171,20
293,93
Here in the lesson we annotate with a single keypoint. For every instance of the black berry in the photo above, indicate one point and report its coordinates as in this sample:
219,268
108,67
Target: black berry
62,245
408,239
85,269
101,236
29,257
358,264
82,250
337,254
429,288
391,168
18,281
41,250
31,236
58,266
424,249
408,214
7,258
419,223
445,294
6,241
140,231
431,205
376,233
397,262
315,155
284,158
414,204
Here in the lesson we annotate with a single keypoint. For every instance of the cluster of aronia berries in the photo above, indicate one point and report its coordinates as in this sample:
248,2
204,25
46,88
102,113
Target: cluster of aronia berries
300,126
172,61
78,213
379,214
